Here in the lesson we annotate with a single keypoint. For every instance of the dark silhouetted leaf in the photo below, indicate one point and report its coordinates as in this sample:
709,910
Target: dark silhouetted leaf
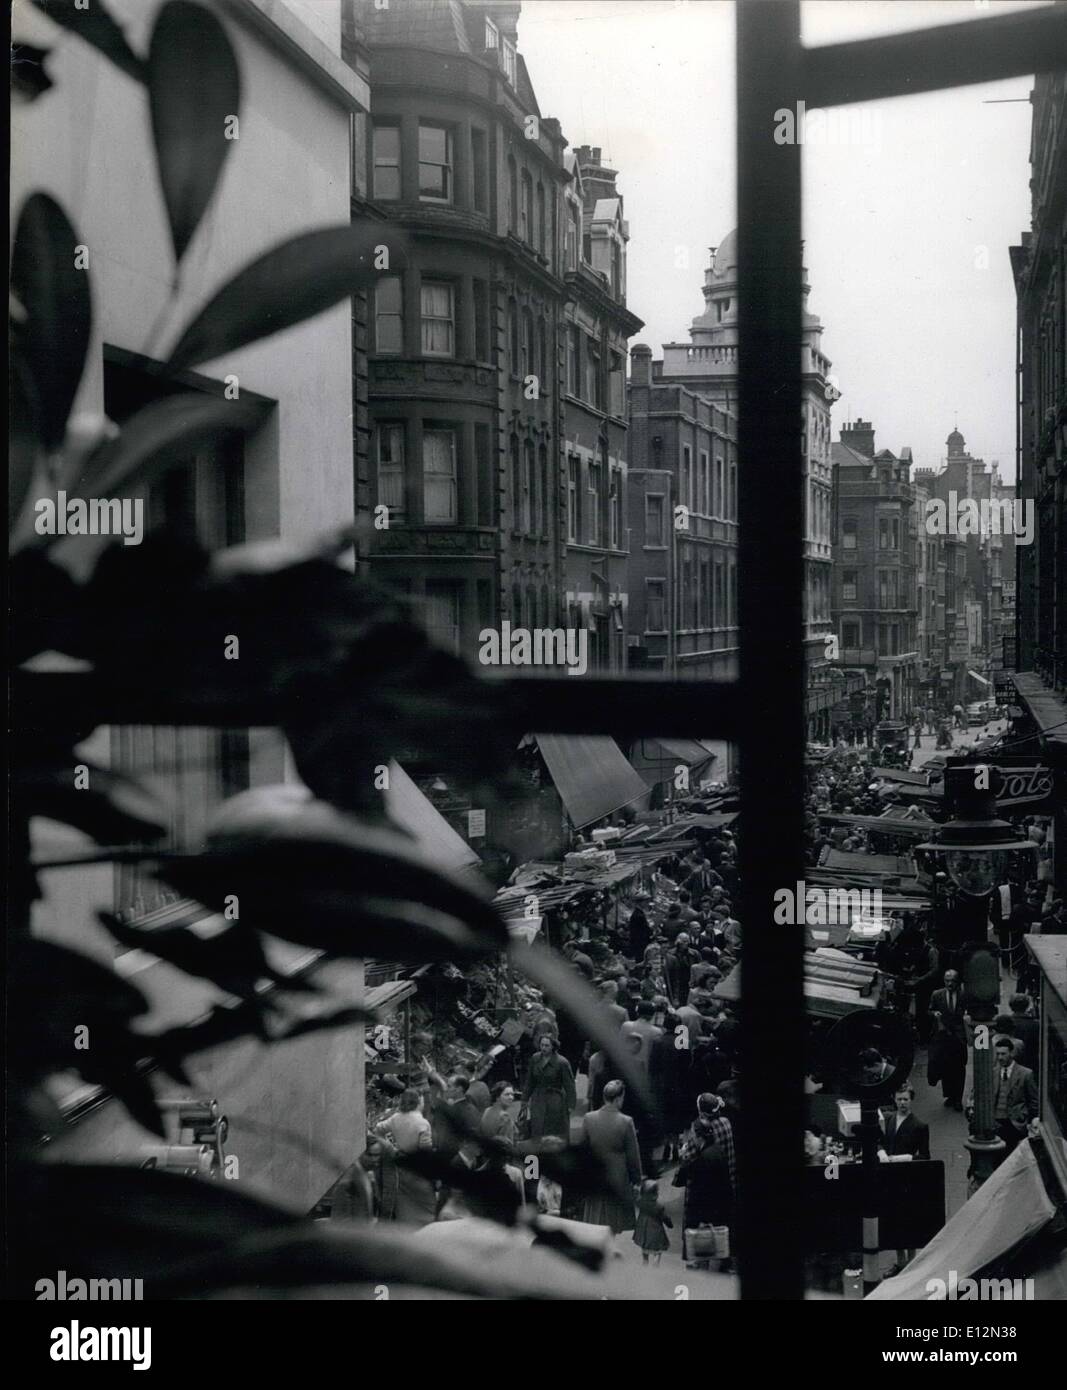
23,453
186,1237
122,1221
156,436
489,1191
291,282
335,1018
233,959
46,610
567,991
29,80
193,87
111,808
61,991
53,338
306,872
95,26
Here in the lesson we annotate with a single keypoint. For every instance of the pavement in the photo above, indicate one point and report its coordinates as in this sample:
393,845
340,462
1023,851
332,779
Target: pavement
962,738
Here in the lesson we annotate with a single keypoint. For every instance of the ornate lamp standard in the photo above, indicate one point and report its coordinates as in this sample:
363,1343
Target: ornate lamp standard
975,849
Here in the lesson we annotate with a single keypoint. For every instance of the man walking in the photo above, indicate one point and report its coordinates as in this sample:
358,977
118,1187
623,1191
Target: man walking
947,1061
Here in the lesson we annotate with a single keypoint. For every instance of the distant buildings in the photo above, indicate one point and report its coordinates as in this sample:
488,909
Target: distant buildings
874,572
683,528
680,407
969,646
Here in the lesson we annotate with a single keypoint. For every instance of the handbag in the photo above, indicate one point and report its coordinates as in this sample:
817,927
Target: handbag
700,1242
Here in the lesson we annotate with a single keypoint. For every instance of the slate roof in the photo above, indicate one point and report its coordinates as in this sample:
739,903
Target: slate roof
438,24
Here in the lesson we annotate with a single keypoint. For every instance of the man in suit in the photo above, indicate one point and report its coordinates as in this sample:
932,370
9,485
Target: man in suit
1015,1101
904,1134
947,1060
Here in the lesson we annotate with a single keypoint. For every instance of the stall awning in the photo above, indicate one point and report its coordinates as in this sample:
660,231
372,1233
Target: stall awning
591,775
1011,1207
656,758
417,814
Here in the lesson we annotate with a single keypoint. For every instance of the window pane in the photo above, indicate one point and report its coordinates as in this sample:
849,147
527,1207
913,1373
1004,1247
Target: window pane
388,315
391,469
386,161
435,160
439,475
442,610
438,328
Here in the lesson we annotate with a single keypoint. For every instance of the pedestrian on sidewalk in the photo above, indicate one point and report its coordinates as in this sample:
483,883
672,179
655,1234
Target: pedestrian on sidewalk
947,1061
650,1230
610,1135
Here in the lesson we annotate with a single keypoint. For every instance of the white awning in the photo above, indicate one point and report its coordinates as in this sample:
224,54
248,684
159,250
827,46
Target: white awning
1010,1207
409,808
981,679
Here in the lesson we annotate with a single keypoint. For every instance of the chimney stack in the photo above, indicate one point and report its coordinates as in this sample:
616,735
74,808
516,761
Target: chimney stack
859,435
640,365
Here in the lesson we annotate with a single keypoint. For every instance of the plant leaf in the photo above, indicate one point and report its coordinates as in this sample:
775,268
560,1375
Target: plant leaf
111,808
159,434
95,26
23,453
232,959
194,85
53,338
71,1012
29,79
291,282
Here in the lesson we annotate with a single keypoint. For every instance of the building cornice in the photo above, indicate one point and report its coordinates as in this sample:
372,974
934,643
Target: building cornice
293,40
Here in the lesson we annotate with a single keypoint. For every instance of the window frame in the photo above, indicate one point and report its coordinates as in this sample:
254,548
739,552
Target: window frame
430,282
661,544
397,279
377,164
430,430
397,514
448,197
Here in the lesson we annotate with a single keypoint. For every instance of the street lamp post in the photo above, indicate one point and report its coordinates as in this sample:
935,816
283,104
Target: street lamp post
981,982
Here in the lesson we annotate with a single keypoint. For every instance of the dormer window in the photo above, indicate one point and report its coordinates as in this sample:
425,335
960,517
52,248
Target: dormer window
492,35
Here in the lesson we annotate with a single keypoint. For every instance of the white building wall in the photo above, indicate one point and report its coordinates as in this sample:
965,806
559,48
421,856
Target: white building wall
88,143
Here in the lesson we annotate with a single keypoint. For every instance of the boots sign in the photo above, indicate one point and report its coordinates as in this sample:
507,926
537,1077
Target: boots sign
1022,786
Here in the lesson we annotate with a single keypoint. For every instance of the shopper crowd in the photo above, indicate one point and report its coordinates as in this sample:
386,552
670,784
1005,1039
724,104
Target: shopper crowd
654,970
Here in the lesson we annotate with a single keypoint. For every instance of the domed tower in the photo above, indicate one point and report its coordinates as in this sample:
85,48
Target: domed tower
718,322
956,445
707,366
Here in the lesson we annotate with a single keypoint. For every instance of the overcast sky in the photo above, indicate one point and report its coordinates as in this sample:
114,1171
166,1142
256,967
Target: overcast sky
907,227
